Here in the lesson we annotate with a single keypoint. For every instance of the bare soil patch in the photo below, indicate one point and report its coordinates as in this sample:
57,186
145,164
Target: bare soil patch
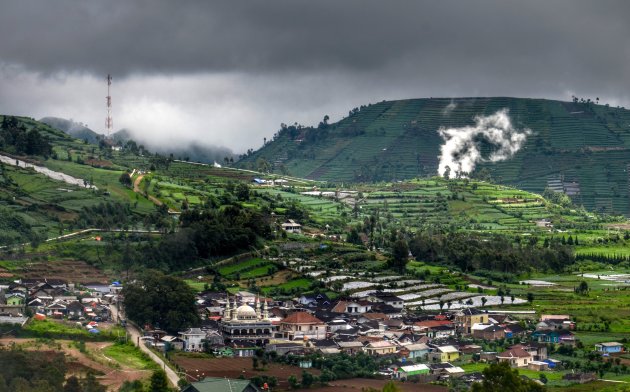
356,384
75,271
235,367
79,364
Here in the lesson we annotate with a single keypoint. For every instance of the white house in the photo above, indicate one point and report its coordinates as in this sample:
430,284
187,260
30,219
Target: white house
291,226
193,338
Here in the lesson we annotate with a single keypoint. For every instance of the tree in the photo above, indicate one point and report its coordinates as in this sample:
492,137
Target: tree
483,301
242,191
132,386
72,385
90,384
582,288
354,237
307,379
125,179
500,378
400,255
447,172
293,382
159,299
159,383
530,298
391,387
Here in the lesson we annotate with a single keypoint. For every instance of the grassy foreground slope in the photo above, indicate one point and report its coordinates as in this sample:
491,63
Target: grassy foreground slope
574,142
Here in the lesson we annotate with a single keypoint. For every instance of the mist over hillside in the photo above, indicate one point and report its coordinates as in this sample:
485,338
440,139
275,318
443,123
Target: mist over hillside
186,151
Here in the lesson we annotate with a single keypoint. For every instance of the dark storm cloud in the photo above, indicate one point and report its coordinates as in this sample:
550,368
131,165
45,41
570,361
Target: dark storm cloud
245,66
257,36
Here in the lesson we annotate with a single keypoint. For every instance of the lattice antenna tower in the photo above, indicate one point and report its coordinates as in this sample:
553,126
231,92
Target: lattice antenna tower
109,122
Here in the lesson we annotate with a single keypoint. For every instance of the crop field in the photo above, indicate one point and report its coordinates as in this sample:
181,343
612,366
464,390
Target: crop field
244,267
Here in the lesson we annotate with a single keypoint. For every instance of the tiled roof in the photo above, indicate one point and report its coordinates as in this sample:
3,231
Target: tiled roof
301,318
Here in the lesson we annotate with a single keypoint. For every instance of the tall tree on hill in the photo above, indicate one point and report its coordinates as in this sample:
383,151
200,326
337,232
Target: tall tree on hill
400,255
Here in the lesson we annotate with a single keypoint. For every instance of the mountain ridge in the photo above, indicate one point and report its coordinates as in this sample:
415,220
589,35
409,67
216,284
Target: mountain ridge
579,147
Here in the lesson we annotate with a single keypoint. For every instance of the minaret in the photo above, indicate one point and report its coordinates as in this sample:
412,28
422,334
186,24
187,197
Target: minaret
265,311
227,315
257,308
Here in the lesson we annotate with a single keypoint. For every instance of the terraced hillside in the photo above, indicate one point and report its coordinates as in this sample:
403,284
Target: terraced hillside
582,149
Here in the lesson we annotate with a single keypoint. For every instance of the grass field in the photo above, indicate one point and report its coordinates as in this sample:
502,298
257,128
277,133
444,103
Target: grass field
130,356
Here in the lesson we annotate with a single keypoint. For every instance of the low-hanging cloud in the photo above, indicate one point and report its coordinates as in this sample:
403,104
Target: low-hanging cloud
462,148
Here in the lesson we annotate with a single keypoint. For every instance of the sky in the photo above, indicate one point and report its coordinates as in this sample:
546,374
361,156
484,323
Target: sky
228,73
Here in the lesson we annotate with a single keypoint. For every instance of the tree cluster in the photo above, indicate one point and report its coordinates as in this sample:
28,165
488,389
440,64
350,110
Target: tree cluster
470,252
105,215
17,139
161,301
205,234
21,371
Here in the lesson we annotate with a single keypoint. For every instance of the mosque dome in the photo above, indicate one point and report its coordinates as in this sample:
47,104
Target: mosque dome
245,312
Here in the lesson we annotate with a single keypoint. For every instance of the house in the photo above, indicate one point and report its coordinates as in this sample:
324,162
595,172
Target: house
388,299
470,349
555,336
454,372
555,321
537,350
350,348
75,309
366,317
56,309
516,357
302,325
487,331
381,347
172,342
15,299
436,328
338,324
352,307
404,372
538,366
445,370
514,330
415,351
468,317
610,347
193,339
219,384
284,348
245,297
291,226
445,354
318,299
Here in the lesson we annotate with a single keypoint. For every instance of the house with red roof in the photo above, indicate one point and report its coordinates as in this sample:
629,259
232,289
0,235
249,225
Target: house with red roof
302,325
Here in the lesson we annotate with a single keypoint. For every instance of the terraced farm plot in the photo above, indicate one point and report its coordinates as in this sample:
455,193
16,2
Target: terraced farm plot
252,268
73,271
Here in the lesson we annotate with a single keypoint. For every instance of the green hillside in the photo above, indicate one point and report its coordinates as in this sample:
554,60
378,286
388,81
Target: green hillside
578,147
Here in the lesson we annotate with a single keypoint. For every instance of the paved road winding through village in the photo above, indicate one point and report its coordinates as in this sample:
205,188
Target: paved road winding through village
134,335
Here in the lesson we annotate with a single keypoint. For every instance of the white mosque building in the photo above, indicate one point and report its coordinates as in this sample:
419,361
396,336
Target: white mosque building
245,324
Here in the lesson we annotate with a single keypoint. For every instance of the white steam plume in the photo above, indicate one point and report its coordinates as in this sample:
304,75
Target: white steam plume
448,109
461,151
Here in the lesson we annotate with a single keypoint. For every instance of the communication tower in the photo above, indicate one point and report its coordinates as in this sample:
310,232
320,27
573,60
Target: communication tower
109,122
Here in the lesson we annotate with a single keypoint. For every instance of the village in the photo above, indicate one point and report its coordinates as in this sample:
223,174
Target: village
411,346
